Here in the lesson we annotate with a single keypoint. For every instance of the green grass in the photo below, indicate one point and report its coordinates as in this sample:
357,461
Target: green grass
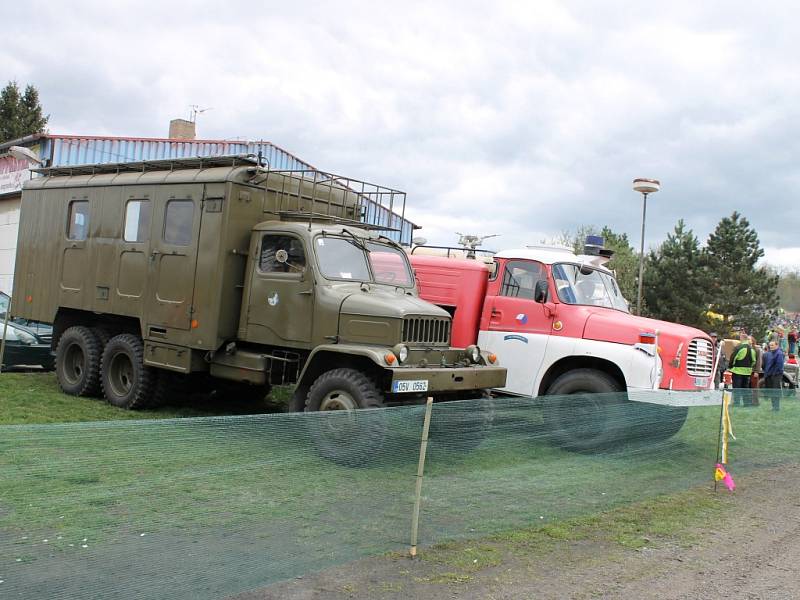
675,518
27,398
244,485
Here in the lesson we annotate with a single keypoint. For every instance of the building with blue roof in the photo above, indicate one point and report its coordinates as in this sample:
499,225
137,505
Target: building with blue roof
45,149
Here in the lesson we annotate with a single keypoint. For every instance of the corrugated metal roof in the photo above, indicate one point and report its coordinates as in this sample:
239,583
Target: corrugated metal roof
70,150
80,150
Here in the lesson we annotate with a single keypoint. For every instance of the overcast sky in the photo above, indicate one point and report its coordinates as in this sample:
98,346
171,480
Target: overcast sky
524,119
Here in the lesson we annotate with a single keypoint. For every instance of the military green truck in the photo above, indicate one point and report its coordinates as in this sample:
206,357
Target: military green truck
224,268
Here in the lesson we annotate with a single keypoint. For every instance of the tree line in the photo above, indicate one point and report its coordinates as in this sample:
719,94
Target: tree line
717,286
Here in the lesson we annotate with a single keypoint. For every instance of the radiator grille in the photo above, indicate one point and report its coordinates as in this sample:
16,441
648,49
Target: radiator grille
700,358
426,330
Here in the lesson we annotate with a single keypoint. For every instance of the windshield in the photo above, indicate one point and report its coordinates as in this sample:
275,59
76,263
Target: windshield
389,265
4,300
594,288
352,258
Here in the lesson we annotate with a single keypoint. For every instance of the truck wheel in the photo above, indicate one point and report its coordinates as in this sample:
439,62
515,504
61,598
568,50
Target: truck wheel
655,423
586,414
346,435
461,426
78,357
127,382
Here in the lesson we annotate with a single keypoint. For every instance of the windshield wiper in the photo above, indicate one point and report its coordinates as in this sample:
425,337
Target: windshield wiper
356,241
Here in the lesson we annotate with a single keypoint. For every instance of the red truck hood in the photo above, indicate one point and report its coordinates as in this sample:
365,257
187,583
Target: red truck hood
606,325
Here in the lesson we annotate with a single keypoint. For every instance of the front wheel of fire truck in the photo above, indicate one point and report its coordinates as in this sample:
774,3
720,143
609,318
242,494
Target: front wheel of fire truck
584,410
655,423
346,433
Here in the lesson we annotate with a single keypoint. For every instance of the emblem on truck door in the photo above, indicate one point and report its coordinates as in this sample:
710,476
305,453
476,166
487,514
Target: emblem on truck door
273,300
522,318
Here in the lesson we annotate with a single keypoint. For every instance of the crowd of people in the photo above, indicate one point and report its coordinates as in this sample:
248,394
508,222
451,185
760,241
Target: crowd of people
759,368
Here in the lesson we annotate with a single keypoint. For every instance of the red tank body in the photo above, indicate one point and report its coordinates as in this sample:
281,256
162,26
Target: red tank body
458,286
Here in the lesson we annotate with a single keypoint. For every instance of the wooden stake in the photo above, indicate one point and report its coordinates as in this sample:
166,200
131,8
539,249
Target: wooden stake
423,448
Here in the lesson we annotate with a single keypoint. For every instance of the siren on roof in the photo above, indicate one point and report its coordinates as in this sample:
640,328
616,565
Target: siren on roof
594,247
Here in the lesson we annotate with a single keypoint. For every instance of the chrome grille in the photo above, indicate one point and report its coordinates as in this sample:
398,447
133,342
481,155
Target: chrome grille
426,330
700,358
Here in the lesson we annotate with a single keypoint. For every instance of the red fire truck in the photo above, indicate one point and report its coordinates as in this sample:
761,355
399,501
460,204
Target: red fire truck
560,325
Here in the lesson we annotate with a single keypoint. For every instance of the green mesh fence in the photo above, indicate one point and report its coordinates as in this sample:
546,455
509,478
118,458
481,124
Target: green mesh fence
207,508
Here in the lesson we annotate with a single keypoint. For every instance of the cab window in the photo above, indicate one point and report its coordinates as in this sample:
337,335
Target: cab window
281,254
137,221
78,224
520,277
178,222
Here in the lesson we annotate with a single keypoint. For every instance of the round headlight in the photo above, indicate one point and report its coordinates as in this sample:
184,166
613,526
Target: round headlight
473,354
401,351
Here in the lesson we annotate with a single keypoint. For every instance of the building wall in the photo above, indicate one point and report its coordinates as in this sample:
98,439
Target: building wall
9,224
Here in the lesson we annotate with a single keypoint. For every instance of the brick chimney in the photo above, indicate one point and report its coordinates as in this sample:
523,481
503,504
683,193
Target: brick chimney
181,129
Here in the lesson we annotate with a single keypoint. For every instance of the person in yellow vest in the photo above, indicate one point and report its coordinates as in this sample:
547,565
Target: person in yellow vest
742,363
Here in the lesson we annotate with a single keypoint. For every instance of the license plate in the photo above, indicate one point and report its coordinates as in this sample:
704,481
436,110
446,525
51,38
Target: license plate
410,385
700,382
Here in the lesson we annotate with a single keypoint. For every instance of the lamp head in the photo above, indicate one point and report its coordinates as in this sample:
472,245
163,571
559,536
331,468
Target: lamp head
646,186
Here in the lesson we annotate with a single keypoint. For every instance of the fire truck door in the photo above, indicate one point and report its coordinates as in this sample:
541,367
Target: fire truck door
519,327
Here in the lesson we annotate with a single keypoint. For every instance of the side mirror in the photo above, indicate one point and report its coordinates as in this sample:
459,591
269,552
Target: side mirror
540,291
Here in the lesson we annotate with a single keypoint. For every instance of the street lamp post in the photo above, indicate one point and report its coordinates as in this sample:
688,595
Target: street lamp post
644,187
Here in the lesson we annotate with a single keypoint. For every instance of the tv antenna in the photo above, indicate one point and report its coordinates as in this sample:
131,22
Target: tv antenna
195,109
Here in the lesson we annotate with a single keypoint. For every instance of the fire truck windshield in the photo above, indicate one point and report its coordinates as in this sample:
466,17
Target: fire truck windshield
579,284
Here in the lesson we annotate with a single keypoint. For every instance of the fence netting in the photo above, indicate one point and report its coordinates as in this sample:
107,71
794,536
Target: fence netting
210,507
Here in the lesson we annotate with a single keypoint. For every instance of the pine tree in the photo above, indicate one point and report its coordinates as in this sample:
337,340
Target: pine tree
20,115
744,294
624,263
675,286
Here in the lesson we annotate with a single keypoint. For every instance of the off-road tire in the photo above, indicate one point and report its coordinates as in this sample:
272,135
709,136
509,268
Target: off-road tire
585,413
78,359
127,382
356,436
461,426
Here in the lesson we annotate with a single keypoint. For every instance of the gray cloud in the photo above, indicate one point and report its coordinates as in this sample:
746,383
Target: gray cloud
521,118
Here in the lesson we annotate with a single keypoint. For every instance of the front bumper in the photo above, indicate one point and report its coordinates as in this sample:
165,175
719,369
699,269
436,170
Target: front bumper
452,379
17,355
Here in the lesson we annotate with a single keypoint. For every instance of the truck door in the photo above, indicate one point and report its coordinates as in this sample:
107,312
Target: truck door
173,255
518,326
281,293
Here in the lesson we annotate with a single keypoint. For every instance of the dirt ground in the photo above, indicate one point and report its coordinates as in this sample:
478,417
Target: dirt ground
752,551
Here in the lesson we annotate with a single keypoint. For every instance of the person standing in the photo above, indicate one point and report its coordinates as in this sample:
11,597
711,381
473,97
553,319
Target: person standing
792,339
743,359
773,374
758,369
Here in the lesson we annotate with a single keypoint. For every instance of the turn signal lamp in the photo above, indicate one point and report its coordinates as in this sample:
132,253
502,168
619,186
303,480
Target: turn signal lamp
195,324
647,338
492,358
389,357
